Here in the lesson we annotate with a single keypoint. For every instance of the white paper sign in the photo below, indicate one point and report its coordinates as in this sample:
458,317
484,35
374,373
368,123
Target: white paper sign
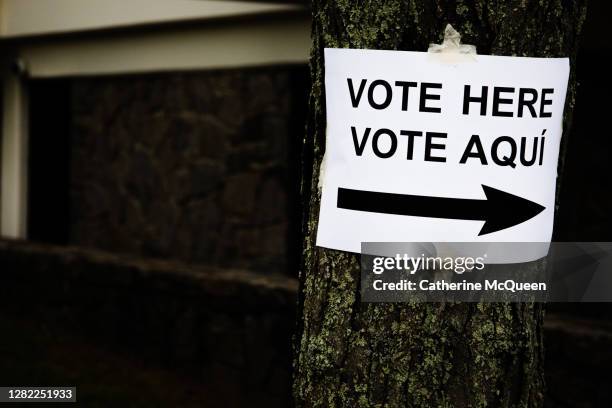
421,150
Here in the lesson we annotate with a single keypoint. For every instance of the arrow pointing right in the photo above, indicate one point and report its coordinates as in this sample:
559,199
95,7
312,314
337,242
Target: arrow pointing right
500,210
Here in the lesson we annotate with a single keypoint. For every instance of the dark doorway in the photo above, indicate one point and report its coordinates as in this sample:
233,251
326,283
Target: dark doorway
49,161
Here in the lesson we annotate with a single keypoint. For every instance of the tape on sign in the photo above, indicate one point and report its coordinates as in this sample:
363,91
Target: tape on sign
451,51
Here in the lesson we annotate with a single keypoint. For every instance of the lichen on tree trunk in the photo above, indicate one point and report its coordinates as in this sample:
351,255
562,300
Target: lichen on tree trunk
354,354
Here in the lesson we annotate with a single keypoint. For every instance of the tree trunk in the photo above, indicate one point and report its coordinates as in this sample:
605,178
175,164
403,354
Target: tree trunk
354,354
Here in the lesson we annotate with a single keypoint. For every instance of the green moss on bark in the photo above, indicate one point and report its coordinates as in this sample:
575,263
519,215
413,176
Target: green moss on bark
353,354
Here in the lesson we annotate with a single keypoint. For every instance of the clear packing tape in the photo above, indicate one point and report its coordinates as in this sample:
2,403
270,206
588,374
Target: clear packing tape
451,51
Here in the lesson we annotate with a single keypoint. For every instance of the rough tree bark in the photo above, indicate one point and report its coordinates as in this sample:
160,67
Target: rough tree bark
353,354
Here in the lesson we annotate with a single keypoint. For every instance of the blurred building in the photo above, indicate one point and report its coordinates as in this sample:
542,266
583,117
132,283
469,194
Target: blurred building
158,128
155,144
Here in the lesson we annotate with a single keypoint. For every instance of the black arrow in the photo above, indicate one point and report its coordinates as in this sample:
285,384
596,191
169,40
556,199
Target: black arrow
500,210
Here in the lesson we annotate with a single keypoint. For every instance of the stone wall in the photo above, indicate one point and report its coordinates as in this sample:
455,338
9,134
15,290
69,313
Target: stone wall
230,329
200,167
